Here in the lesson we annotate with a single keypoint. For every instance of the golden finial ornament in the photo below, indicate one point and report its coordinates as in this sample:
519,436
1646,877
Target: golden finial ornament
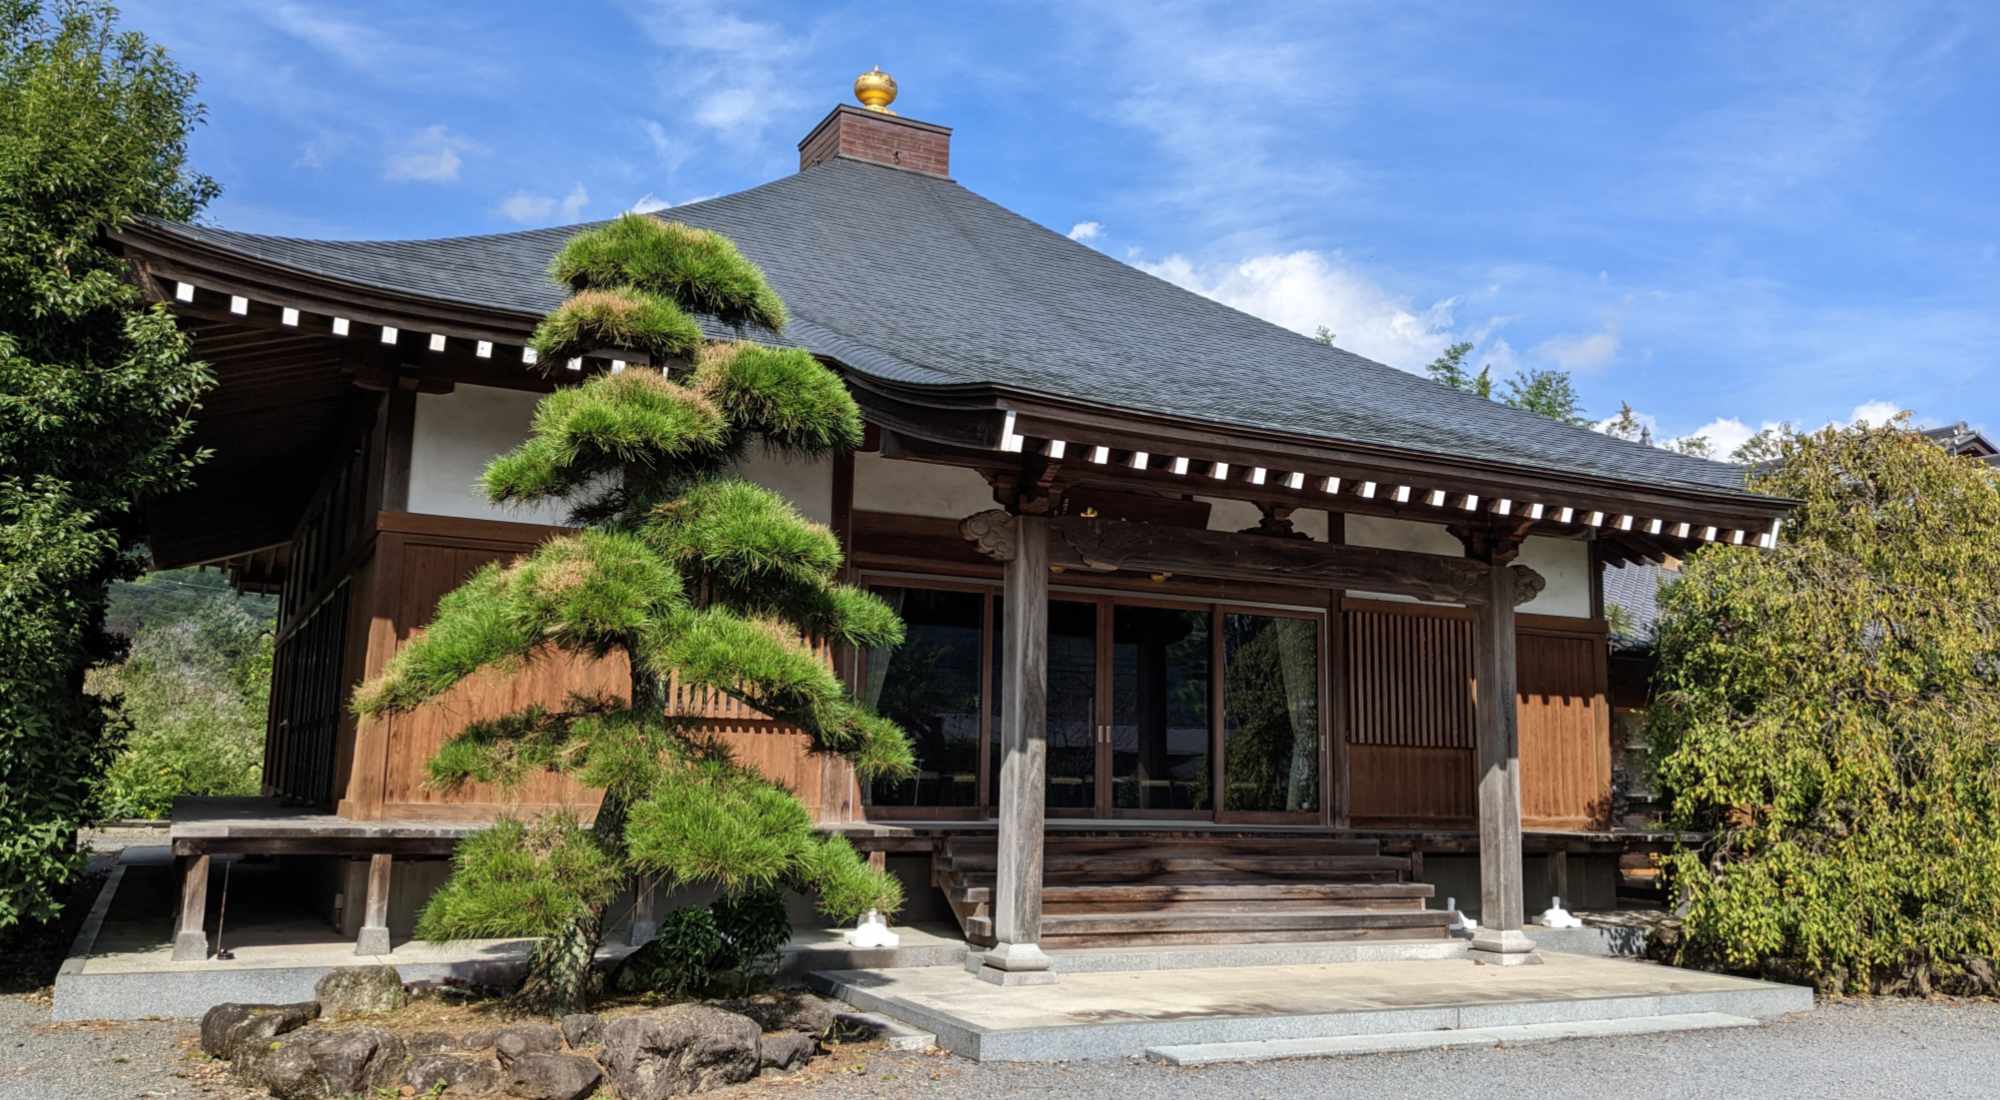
876,90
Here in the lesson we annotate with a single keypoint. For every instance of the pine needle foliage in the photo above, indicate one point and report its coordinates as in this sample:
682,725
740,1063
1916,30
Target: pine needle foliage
1828,714
626,319
701,270
521,879
684,571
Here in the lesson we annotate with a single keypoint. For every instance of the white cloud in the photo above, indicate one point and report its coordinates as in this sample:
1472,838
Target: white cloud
650,203
431,155
1874,413
1086,231
746,68
1725,434
1581,353
529,208
322,149
1305,290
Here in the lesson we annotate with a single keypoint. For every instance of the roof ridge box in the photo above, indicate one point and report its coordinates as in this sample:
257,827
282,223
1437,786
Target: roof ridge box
876,134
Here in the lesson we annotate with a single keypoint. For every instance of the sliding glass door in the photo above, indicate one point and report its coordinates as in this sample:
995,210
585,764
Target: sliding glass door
1271,742
1160,735
1190,711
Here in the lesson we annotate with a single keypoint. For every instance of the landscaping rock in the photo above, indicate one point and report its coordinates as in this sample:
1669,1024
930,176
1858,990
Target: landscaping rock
359,991
226,1028
513,1042
580,1029
679,1050
461,1075
553,1077
359,1061
285,1070
785,1051
787,1010
445,1042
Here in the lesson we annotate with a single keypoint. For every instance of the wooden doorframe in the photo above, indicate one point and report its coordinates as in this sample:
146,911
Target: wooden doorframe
1105,603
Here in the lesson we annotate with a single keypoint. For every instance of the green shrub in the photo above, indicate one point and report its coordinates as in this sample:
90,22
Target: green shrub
192,696
1828,714
97,388
728,946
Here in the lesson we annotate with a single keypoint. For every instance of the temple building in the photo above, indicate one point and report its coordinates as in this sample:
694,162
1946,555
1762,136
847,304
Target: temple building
1214,631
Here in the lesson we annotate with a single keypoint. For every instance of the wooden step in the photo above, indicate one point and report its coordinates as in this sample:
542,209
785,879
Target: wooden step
977,889
1230,925
1124,867
1179,845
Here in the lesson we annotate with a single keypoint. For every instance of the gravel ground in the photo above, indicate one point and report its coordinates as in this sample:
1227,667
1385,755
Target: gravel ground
1932,1050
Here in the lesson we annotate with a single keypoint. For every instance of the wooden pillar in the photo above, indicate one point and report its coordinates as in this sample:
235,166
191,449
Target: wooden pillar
1500,939
374,938
645,913
190,938
1016,957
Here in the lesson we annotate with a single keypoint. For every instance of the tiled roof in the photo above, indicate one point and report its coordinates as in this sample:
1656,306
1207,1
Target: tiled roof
914,279
1635,591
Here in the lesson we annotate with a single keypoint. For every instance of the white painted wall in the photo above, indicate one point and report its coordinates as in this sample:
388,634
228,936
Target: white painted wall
1564,563
1239,515
458,433
918,488
807,483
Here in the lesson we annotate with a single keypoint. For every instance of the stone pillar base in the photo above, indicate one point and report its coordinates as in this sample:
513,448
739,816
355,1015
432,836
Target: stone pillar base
1493,947
1011,964
372,941
190,945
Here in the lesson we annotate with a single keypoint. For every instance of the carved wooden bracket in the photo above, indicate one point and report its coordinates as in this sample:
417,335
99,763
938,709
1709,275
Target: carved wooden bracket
1527,583
990,532
1276,523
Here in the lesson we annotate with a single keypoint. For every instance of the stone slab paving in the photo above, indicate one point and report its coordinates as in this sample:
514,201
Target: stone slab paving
1202,1054
1124,1013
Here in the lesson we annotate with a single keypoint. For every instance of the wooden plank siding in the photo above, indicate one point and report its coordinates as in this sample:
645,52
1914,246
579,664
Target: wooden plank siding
1403,674
417,559
1410,697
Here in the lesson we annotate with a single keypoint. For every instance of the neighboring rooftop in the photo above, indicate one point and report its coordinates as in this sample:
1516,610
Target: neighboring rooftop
1961,439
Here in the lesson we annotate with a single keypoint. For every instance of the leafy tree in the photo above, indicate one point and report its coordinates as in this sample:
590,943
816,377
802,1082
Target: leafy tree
682,572
191,695
1546,391
1323,335
1448,369
1766,446
1696,445
96,388
1827,713
1627,425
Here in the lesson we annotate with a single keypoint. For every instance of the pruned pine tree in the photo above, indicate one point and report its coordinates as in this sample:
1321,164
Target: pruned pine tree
682,570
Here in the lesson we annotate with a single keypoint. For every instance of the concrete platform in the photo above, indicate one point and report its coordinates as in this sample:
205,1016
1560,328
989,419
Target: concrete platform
121,965
1122,1014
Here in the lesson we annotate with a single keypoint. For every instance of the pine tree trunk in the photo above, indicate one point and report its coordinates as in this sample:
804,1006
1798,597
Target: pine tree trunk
560,971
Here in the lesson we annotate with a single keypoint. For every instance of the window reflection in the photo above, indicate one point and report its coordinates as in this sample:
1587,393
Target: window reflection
1270,723
929,685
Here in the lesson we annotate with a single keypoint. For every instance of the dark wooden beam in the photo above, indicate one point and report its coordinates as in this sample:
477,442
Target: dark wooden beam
1076,542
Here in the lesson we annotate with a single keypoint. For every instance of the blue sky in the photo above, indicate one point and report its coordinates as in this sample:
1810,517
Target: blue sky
1718,212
